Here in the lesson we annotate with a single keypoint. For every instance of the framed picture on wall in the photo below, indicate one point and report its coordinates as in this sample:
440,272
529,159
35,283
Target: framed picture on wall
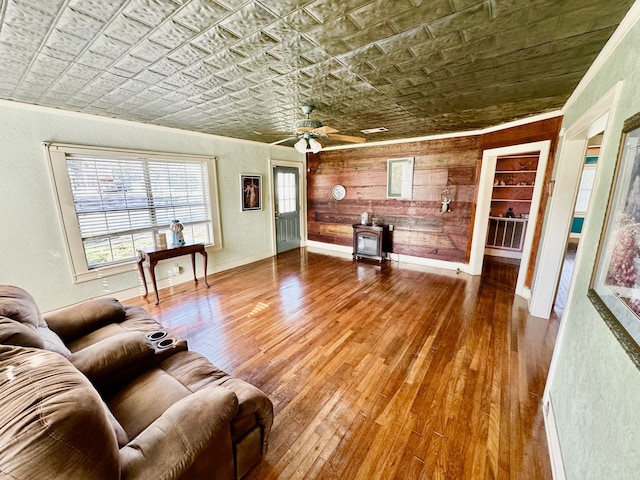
400,178
615,285
251,192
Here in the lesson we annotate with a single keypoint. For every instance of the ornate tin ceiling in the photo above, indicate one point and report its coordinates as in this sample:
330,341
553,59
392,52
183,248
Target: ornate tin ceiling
229,67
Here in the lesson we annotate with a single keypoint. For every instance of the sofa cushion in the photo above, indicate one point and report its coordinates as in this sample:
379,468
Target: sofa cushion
17,304
52,421
113,354
73,322
15,333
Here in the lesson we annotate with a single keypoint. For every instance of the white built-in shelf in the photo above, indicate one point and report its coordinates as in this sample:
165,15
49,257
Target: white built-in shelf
509,200
516,171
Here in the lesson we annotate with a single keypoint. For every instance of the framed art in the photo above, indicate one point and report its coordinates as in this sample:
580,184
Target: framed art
400,178
251,192
615,285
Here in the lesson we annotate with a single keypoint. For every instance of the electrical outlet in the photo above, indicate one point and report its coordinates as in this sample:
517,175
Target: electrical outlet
390,227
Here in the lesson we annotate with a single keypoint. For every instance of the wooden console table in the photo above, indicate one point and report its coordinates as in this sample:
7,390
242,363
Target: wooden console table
151,257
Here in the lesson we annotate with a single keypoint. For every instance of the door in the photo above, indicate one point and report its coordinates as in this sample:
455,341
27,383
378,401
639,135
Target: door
287,204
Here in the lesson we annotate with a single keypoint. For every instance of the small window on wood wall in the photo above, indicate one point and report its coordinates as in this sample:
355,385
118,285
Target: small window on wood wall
400,177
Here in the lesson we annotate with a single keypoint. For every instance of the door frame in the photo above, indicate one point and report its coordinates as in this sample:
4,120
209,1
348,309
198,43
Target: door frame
302,195
485,188
560,211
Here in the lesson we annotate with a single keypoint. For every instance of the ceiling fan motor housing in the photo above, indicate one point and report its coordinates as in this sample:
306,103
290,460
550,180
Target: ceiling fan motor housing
308,123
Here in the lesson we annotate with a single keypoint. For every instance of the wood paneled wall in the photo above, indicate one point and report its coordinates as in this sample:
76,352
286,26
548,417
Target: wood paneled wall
420,229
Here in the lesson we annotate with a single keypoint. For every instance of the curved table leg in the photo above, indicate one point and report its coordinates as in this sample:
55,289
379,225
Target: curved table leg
204,254
152,268
144,280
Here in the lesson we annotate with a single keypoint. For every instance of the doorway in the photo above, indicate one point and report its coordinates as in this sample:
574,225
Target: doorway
580,212
560,210
484,207
286,185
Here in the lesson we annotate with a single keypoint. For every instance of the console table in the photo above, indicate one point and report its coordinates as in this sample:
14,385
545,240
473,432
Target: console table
150,257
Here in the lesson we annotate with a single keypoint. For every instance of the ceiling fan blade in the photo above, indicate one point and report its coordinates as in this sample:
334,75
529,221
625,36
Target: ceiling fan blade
325,130
283,140
347,138
272,133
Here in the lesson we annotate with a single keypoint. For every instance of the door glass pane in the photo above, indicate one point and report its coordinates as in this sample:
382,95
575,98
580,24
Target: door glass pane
287,192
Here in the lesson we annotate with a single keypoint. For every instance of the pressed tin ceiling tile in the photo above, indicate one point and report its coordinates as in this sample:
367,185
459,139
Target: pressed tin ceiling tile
234,66
201,14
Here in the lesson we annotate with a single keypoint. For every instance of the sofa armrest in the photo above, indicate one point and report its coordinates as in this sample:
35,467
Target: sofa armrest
112,355
191,439
78,320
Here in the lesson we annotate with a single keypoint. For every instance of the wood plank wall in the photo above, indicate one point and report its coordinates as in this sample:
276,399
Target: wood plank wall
420,229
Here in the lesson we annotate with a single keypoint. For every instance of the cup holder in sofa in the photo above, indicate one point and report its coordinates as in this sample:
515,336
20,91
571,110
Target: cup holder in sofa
166,342
158,335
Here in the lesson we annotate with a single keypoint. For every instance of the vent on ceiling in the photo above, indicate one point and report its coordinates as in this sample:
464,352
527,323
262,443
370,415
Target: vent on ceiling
374,130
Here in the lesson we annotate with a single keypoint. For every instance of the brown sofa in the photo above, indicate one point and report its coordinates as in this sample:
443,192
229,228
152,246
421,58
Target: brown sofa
94,391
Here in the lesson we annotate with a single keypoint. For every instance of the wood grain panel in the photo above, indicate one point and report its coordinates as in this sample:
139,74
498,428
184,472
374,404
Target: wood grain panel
363,172
375,372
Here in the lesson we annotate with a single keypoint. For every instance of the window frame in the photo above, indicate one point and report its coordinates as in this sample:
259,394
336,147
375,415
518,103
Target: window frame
588,167
57,156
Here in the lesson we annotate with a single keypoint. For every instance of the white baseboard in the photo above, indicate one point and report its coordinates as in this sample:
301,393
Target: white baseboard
342,250
553,441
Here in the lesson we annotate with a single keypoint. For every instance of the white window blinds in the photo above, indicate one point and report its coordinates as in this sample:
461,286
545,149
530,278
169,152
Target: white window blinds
114,203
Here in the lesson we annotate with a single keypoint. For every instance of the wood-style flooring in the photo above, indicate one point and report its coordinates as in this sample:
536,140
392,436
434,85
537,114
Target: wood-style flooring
378,372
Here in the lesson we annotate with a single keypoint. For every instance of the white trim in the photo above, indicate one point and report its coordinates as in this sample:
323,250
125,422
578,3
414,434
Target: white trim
553,441
560,210
468,133
344,251
624,27
485,187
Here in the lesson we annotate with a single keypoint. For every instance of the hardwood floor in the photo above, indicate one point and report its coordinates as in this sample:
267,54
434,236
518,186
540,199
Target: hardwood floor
392,372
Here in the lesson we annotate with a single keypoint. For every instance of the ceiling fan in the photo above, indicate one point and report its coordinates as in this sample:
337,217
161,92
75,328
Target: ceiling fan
309,131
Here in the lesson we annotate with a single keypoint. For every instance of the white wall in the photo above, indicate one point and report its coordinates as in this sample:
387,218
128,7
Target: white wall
32,248
594,385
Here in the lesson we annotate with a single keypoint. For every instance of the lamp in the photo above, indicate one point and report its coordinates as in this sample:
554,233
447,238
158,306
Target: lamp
301,145
315,145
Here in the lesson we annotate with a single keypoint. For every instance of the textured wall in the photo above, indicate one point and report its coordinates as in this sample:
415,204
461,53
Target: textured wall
594,386
32,249
420,229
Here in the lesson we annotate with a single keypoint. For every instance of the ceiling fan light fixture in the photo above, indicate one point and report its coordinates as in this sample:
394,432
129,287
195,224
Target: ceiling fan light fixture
301,145
315,145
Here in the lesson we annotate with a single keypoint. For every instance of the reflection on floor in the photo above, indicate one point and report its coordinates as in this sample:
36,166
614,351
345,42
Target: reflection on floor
565,279
502,271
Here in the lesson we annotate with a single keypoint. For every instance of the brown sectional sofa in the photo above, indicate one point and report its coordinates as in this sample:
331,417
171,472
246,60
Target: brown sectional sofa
90,392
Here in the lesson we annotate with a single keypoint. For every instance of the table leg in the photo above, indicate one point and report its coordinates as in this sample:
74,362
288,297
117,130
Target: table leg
193,267
144,280
204,254
152,272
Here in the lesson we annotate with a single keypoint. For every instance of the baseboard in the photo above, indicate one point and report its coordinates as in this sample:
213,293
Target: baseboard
553,441
345,251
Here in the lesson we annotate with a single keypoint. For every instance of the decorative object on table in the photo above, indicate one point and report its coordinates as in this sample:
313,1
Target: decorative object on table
510,213
339,192
251,192
364,218
615,284
176,229
400,178
161,240
445,198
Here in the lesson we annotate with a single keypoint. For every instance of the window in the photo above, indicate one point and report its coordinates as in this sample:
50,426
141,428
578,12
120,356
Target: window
584,190
115,202
287,192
